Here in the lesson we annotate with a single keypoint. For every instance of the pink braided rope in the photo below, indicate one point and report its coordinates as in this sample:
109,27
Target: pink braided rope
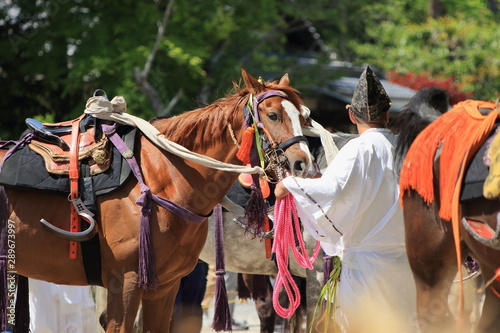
286,231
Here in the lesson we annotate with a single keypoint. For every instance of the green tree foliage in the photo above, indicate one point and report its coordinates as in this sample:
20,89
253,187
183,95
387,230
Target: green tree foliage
462,45
56,53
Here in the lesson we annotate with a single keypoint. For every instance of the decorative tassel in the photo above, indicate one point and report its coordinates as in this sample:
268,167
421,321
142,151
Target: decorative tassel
246,145
256,208
327,268
4,301
243,292
222,316
260,285
22,306
147,267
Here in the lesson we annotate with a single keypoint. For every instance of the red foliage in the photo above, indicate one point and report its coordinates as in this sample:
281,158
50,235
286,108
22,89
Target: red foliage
424,80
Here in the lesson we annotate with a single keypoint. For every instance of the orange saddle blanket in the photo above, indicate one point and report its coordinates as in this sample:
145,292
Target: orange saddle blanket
460,132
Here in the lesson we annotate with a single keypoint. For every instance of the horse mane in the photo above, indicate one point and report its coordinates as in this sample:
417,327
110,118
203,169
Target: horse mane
205,126
422,109
341,138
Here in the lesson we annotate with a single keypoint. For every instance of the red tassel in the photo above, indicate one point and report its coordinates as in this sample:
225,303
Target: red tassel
246,145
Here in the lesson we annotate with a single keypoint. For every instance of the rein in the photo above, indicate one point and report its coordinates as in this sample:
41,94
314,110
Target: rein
287,234
100,107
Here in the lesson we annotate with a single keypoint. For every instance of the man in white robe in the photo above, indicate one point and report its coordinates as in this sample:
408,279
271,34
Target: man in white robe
60,308
354,210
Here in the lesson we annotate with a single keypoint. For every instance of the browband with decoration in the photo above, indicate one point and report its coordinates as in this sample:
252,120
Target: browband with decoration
255,101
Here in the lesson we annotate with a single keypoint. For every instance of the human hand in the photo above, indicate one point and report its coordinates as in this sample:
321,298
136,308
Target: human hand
280,191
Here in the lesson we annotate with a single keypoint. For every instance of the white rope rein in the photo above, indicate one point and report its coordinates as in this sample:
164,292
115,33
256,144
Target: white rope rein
114,110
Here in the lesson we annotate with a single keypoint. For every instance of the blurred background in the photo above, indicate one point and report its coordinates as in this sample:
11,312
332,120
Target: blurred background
169,56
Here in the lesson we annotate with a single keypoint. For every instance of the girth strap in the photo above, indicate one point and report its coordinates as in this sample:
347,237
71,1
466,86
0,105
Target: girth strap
73,183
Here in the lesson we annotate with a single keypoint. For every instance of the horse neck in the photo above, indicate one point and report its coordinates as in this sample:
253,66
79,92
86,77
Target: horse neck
205,131
211,131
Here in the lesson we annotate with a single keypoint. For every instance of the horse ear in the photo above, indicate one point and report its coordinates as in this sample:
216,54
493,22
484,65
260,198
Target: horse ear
253,85
285,81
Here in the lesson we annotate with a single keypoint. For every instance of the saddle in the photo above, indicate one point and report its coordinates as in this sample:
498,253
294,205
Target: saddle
52,143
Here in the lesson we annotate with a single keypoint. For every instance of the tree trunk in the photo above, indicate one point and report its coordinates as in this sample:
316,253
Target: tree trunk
437,9
492,5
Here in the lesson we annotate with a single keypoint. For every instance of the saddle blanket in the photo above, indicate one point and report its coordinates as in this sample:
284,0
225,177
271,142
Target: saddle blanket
27,169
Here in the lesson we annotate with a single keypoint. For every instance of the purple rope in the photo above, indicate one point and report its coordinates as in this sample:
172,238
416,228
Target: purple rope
222,316
147,268
165,203
327,268
17,145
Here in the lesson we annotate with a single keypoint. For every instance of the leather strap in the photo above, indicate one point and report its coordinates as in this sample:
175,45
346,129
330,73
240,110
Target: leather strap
73,184
268,241
287,143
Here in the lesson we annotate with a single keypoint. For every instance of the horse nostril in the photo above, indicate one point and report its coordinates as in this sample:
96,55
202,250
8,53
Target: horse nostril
298,166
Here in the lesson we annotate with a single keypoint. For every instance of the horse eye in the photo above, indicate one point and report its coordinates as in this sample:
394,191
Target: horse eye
272,116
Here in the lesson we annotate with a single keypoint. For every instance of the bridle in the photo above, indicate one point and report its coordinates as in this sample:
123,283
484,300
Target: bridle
273,157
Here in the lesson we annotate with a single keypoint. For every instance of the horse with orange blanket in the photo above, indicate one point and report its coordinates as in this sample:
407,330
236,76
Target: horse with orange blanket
446,214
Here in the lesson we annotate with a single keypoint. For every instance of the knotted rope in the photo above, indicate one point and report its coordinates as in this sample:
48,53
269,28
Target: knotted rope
114,110
287,232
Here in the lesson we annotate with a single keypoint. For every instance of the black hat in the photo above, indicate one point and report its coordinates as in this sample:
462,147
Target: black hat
369,101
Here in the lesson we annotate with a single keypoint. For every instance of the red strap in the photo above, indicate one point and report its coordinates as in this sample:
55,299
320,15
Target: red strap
267,241
73,184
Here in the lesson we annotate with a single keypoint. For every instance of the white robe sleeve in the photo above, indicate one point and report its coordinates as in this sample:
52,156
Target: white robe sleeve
316,197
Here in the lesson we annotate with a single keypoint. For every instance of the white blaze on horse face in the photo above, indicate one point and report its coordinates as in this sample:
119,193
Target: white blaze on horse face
294,114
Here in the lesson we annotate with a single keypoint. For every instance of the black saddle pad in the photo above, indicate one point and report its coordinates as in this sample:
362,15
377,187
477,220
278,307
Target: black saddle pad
476,173
26,169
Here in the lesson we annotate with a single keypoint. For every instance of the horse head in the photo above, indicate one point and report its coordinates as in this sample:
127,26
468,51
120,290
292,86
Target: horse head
275,108
421,110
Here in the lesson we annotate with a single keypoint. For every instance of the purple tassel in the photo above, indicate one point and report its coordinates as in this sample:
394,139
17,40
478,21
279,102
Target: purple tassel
243,292
260,285
147,267
22,306
222,316
4,301
327,268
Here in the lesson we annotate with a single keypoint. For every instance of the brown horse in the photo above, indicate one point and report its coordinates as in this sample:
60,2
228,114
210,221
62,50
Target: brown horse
214,131
430,232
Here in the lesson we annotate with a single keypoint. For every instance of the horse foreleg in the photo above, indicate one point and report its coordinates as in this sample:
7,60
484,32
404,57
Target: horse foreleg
431,254
263,304
265,311
158,307
124,297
